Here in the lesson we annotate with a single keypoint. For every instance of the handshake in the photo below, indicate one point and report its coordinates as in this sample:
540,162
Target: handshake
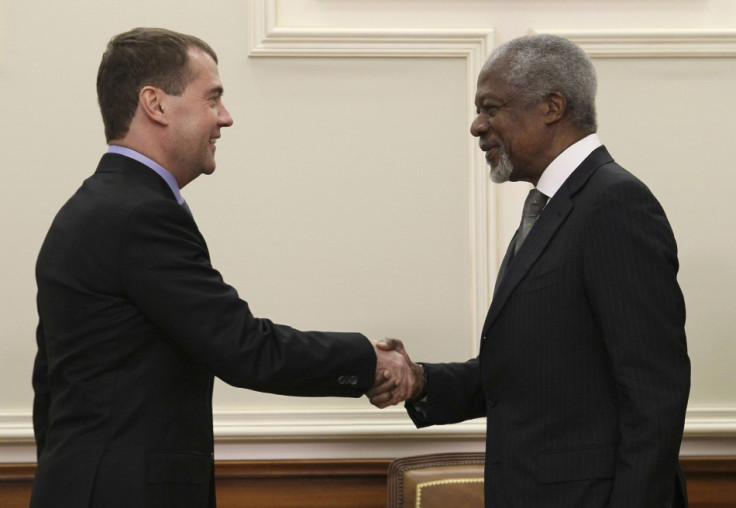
397,378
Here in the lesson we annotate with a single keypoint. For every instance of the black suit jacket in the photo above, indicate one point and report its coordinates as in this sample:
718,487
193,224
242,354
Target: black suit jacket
134,325
583,372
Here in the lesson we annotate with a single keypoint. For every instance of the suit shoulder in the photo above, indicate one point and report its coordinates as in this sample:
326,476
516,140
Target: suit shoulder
110,195
611,179
612,173
104,204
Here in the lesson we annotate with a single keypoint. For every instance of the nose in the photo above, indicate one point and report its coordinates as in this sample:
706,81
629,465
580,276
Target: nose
224,119
479,126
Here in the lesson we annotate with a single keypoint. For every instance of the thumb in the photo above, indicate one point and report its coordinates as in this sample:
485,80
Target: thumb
390,344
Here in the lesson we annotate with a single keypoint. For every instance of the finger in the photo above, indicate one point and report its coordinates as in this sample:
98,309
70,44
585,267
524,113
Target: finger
381,376
385,398
389,344
396,398
384,387
382,401
386,403
404,390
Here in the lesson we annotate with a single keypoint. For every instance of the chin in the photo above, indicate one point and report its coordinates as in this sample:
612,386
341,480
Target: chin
499,176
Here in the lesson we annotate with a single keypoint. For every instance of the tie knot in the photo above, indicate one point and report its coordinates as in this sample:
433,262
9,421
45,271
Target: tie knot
533,206
534,203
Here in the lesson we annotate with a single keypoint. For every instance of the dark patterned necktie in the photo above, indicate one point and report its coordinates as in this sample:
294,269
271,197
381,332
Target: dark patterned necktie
533,206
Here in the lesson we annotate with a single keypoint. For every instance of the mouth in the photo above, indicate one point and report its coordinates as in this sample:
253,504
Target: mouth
491,151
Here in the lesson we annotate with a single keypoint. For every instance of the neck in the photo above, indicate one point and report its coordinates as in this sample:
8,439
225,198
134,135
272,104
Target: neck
146,147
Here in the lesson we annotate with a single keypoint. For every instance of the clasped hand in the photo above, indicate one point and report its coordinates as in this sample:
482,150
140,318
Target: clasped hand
397,378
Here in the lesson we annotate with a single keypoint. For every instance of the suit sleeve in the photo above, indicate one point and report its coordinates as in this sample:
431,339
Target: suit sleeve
166,271
41,398
454,394
631,279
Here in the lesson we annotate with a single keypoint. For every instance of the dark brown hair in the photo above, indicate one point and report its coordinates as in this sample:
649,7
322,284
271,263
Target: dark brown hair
142,57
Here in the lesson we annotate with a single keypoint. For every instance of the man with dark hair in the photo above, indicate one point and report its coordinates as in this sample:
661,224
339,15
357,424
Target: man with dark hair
583,372
134,322
142,56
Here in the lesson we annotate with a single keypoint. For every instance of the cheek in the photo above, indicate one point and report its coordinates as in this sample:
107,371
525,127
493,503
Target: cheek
507,129
521,135
510,137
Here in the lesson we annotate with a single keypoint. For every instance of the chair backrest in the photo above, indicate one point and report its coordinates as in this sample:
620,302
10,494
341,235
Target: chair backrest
439,480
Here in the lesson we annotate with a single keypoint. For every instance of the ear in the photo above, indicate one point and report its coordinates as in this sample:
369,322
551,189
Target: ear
555,107
152,101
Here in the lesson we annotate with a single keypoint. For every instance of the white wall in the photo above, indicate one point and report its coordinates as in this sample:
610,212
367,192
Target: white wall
349,194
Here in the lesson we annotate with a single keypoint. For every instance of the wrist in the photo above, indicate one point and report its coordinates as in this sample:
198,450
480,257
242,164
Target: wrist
420,380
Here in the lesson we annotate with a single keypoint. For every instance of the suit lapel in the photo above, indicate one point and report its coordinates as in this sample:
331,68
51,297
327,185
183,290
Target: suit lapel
505,263
512,271
543,231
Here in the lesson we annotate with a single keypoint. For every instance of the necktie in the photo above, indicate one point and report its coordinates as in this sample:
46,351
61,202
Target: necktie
533,206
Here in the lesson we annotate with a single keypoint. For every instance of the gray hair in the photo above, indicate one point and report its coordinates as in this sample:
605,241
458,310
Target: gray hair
543,63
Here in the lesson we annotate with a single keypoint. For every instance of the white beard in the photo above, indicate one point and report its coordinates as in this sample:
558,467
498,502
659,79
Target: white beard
501,172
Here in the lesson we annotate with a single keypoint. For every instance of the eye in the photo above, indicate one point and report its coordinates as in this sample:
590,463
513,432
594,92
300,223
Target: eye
215,98
491,110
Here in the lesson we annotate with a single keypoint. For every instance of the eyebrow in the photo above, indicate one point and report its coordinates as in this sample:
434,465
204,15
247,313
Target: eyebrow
216,90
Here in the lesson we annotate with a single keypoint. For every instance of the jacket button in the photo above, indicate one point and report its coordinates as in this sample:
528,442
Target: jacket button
492,403
348,380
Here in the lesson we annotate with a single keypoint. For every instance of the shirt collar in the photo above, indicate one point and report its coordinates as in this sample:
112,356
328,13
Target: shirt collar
159,169
564,164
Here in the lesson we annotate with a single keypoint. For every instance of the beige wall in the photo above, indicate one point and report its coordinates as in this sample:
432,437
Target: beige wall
349,194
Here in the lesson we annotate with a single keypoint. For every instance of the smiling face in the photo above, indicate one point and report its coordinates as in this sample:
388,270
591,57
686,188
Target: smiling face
511,131
196,117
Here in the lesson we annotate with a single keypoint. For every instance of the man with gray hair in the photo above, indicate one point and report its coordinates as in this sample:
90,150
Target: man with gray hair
583,372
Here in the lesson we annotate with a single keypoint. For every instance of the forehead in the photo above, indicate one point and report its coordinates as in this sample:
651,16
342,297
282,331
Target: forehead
204,69
493,84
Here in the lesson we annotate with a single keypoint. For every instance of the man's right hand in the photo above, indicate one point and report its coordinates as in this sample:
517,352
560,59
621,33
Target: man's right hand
397,378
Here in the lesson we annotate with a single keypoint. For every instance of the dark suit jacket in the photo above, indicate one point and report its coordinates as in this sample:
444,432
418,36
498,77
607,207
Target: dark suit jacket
134,324
583,372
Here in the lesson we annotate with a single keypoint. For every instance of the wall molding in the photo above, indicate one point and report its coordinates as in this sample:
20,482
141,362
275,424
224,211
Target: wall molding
280,425
361,434
652,43
369,423
267,39
711,421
